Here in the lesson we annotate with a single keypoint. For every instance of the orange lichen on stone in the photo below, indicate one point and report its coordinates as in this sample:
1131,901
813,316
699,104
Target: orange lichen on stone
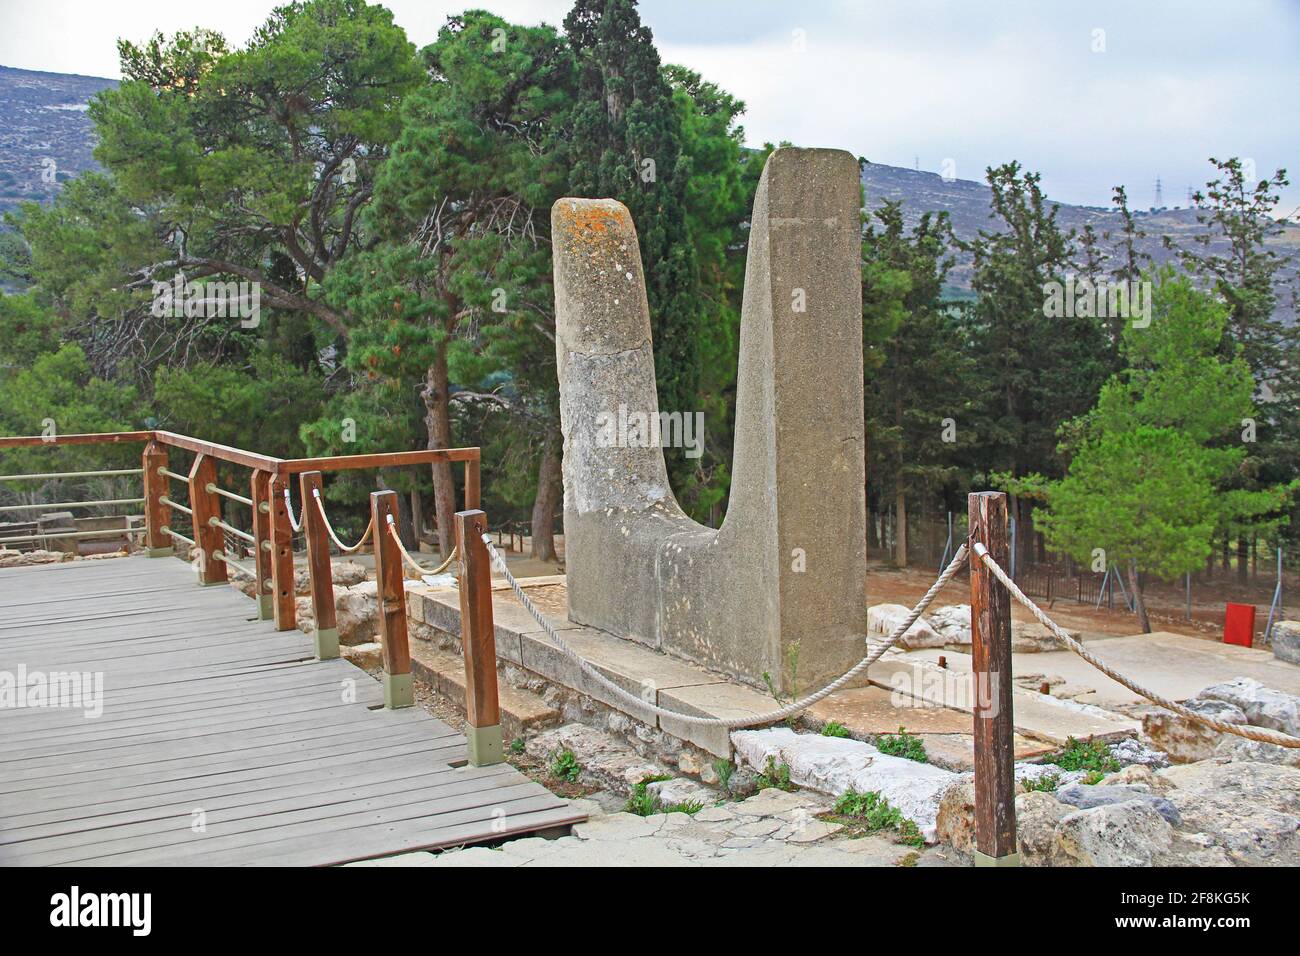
591,221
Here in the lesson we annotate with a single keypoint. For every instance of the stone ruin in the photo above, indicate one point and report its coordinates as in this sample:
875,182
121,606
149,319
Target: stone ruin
788,565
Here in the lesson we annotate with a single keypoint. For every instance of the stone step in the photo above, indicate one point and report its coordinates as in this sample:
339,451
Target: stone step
667,682
521,710
1035,715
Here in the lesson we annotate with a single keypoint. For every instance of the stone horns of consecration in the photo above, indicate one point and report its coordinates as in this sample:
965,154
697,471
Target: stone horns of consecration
784,575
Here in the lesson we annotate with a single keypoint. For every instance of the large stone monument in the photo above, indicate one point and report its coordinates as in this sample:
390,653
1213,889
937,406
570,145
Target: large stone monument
788,564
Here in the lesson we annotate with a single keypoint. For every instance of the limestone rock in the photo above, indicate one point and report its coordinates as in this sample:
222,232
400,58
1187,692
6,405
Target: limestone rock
883,619
357,612
19,559
836,765
1137,775
955,821
1086,797
1263,706
679,790
953,623
1286,641
1251,809
1186,740
1130,752
604,762
346,574
1037,815
1253,751
742,783
367,656
1119,834
1130,834
1030,637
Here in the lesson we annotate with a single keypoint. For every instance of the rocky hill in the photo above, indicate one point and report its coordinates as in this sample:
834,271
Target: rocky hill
46,139
45,134
967,205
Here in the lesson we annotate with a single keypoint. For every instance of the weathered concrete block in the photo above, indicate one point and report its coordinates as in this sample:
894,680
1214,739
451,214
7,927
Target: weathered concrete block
789,562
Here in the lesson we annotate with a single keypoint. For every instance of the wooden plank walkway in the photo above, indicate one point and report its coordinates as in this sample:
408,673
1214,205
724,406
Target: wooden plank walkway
210,716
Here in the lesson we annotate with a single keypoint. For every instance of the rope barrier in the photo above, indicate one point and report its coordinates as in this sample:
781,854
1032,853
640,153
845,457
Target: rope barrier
734,723
329,528
406,555
1260,734
288,506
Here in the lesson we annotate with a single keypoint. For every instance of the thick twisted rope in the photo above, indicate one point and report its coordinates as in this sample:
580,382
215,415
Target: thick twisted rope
329,528
734,723
1261,734
288,506
406,555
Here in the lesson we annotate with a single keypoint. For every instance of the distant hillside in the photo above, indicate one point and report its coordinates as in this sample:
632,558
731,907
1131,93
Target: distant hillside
43,119
967,205
44,132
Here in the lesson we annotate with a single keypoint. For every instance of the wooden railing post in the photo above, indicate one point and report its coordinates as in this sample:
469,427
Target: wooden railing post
472,496
156,514
206,505
399,687
261,495
478,641
990,619
318,564
283,596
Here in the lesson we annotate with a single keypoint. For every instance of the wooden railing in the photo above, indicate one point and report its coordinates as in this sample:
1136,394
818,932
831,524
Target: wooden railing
270,538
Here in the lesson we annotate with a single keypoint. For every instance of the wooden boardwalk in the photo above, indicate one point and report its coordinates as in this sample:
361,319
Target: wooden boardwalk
221,742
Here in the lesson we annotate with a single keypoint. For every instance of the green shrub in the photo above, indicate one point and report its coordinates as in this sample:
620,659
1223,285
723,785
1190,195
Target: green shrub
903,744
565,766
775,776
870,812
834,728
1092,756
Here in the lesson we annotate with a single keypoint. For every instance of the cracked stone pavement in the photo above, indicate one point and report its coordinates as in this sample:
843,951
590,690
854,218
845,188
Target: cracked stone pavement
772,828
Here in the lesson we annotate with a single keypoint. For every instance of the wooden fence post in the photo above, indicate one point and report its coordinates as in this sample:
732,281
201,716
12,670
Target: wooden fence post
261,495
990,603
478,641
318,564
205,505
399,687
156,514
472,499
283,596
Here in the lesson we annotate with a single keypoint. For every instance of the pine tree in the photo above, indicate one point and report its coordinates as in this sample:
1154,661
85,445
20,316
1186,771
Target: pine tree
1231,257
1039,371
627,144
918,409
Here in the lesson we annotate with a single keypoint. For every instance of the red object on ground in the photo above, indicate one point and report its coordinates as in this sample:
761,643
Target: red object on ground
1239,624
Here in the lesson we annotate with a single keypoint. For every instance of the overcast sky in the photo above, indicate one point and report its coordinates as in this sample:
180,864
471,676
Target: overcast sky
1089,93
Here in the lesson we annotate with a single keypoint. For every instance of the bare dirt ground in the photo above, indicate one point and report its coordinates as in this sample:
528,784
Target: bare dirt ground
889,584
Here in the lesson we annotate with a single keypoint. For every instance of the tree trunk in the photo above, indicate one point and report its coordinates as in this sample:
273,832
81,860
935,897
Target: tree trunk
550,483
900,524
1139,602
417,513
1243,559
437,419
